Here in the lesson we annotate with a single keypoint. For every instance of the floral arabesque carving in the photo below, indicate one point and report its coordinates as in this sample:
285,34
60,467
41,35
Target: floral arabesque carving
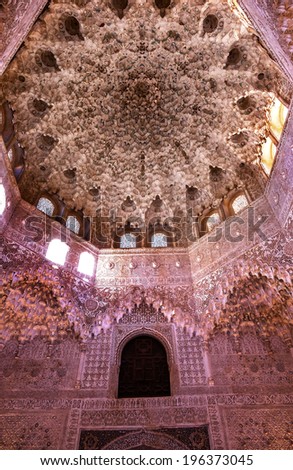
108,305
39,430
54,303
39,300
259,428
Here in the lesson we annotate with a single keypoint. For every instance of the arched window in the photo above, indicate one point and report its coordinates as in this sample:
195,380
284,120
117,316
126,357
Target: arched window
269,150
159,240
86,264
277,120
144,369
10,155
278,117
46,206
239,203
57,251
2,199
128,240
73,224
212,221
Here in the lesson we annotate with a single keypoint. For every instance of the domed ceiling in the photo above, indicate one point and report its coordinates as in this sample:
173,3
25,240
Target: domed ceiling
119,104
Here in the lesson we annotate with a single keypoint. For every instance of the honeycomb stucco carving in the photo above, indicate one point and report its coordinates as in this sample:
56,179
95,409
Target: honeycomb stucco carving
177,114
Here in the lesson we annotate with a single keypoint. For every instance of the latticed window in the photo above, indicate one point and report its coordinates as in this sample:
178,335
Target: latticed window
144,369
239,203
212,221
73,224
128,240
46,206
159,240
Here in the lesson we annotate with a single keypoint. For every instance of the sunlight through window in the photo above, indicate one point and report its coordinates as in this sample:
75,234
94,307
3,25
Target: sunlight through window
239,203
278,117
212,221
57,252
86,264
268,155
2,199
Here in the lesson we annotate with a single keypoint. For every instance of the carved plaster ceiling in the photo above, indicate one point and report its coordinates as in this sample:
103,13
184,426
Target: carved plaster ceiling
116,103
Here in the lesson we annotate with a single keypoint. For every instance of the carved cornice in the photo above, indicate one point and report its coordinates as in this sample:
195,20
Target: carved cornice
17,18
261,18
